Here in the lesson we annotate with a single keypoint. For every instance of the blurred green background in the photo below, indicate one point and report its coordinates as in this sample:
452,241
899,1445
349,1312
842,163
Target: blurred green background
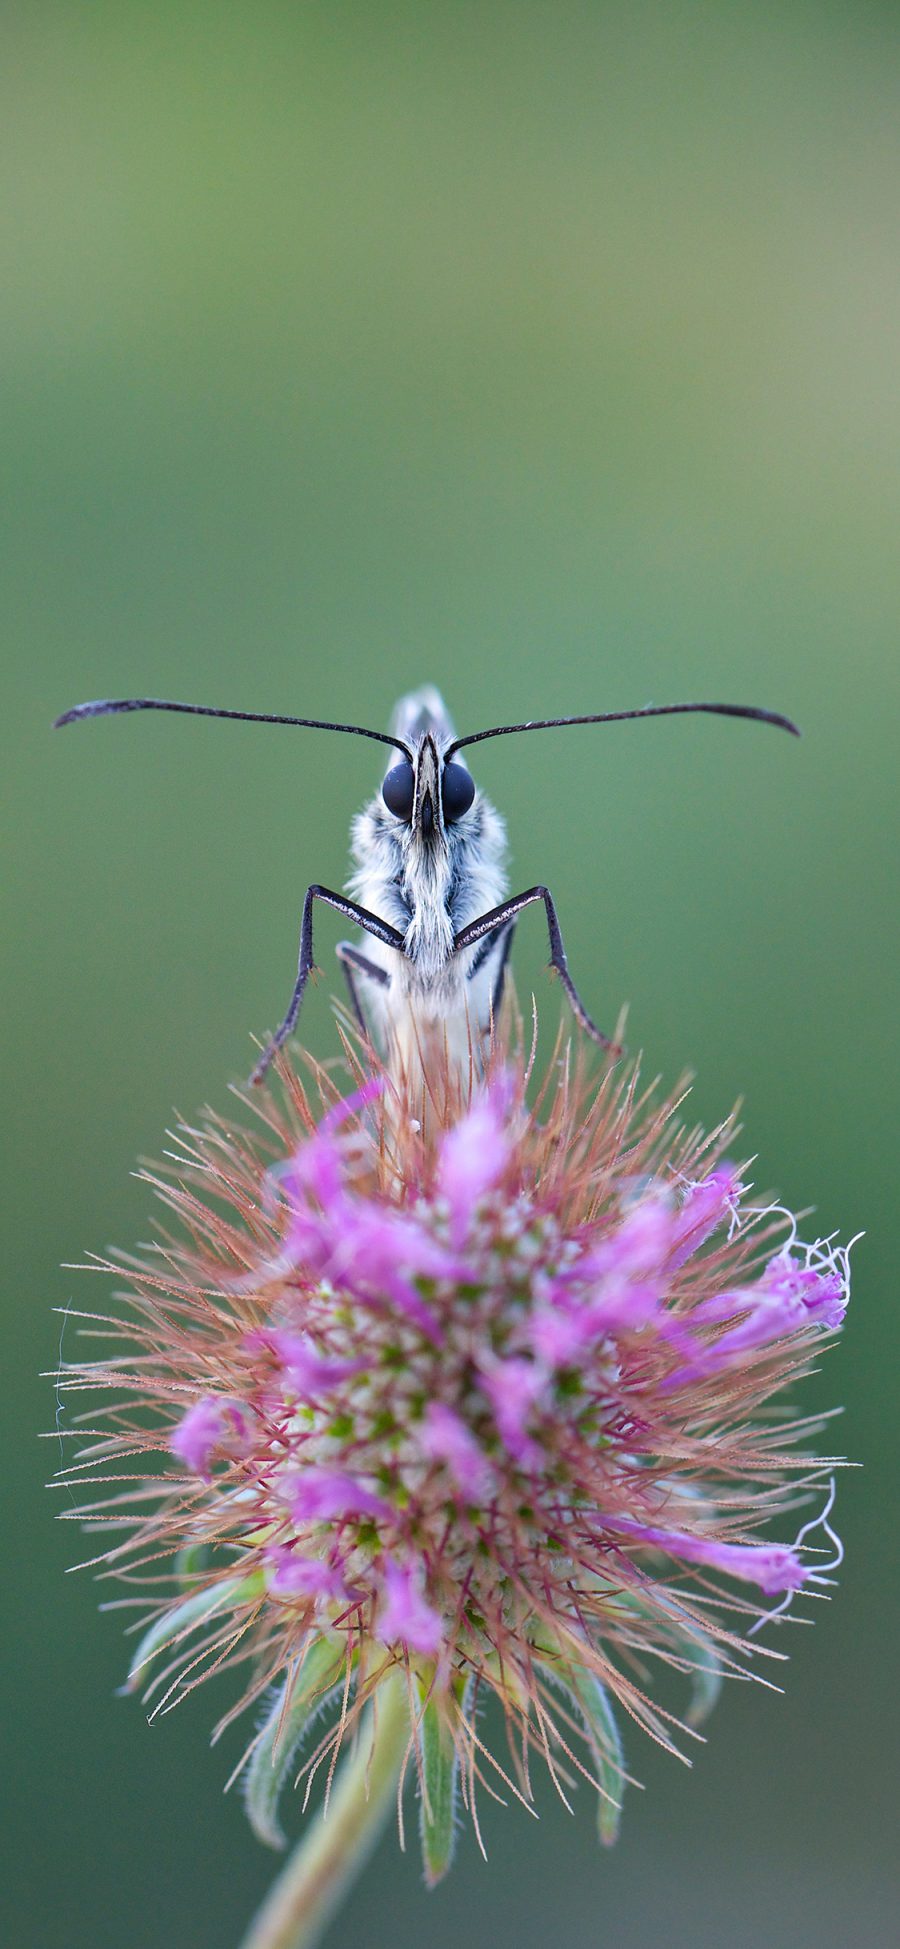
548,352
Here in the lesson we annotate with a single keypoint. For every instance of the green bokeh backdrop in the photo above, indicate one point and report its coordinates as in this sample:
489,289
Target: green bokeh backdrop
548,352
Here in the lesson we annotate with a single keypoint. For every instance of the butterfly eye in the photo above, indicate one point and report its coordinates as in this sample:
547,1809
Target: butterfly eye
399,790
457,792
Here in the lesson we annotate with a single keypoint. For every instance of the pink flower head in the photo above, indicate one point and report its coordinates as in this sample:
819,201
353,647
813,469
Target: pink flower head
405,1616
500,1395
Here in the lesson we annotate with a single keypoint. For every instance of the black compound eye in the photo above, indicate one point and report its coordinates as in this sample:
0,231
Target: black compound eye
457,792
399,791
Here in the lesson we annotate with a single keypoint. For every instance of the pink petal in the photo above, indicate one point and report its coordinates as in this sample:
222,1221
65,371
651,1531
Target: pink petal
624,1305
445,1437
558,1334
786,1299
513,1387
311,1373
214,1422
704,1207
323,1495
293,1575
405,1614
474,1155
640,1245
773,1566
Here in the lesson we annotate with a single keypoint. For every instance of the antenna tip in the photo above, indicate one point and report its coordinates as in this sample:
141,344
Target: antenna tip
78,711
777,718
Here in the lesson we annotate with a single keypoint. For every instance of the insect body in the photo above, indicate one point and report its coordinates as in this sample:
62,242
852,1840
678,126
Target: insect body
428,889
428,857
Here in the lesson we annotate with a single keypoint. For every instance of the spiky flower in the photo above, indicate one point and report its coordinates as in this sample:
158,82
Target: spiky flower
460,1398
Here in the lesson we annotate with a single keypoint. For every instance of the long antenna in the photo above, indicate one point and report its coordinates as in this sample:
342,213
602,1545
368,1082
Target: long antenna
109,707
619,717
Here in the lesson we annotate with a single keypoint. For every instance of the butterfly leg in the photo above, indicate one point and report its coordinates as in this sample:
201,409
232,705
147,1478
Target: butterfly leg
361,917
502,965
502,939
353,963
478,930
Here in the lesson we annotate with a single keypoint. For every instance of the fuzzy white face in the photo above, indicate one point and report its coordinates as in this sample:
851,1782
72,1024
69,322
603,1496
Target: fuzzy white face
429,859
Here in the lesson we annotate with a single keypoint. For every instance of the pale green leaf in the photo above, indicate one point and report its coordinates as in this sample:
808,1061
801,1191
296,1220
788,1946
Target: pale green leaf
282,1732
440,1771
592,1699
184,1618
706,1678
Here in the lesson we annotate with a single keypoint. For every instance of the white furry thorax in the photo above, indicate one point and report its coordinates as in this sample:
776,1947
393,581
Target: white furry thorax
428,891
428,897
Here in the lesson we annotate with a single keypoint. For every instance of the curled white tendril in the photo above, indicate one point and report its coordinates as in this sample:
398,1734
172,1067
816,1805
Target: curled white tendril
823,1576
823,1255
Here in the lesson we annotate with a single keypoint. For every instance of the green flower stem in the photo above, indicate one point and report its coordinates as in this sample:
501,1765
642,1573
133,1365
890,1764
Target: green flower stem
329,1857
